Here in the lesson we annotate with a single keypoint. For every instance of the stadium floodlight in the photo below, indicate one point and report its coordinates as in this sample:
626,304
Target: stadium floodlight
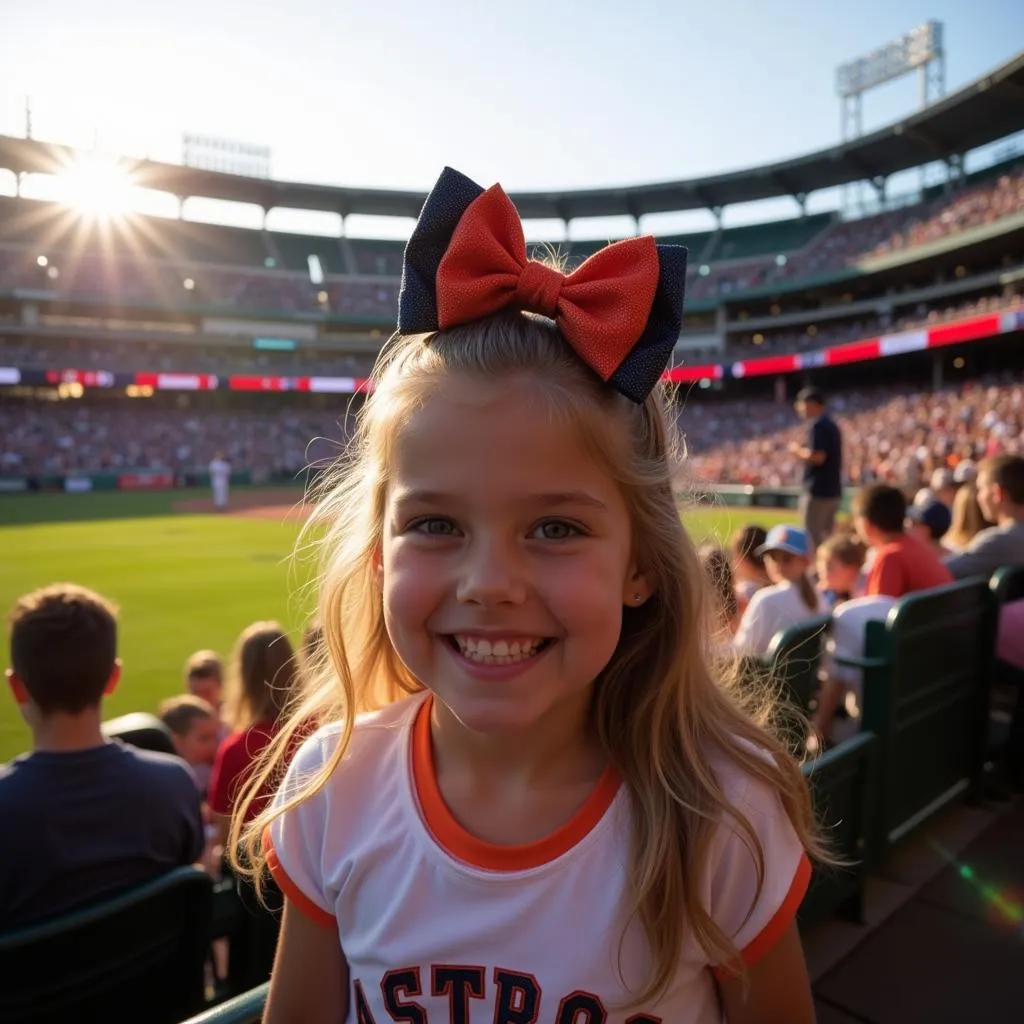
921,49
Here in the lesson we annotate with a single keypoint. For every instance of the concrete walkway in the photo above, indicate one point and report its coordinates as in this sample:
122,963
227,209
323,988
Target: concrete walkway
943,941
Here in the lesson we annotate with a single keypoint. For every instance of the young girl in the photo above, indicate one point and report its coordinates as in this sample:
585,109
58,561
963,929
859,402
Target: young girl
747,564
260,681
791,599
551,810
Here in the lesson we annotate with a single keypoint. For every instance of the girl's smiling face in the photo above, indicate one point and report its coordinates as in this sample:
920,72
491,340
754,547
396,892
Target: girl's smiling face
506,556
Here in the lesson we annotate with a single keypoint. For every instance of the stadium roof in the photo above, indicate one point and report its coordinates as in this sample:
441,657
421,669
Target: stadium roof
986,110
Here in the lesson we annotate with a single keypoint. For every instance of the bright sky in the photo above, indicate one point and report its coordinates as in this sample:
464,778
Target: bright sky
537,94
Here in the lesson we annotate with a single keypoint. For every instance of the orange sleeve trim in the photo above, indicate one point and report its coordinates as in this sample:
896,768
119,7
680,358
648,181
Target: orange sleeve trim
774,929
309,909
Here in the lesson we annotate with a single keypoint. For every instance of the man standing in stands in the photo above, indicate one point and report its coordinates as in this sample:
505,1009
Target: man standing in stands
822,456
220,477
1001,498
85,817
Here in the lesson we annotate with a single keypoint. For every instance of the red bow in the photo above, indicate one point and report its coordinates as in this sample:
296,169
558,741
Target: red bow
601,308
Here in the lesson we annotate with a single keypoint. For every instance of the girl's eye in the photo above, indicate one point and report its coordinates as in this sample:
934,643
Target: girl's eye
556,529
434,527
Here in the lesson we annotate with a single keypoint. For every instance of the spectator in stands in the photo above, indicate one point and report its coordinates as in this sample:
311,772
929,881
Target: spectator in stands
967,521
822,456
840,563
748,567
261,680
943,487
204,675
85,817
791,599
901,563
1001,498
196,733
715,563
929,524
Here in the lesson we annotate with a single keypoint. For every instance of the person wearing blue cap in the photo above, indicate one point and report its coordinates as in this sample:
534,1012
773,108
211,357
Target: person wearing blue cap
790,599
929,523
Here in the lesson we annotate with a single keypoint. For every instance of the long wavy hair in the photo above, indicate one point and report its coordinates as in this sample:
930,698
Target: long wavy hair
658,708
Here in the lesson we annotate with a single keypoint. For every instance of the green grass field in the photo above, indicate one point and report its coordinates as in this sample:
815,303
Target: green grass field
182,582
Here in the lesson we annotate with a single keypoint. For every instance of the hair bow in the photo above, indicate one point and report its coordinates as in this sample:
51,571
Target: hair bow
620,310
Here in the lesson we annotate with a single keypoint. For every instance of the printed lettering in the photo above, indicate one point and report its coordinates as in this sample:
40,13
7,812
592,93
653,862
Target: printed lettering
581,1008
363,1015
518,997
459,984
396,987
643,1018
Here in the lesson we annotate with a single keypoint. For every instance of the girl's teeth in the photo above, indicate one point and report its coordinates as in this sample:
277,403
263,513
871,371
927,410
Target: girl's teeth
498,652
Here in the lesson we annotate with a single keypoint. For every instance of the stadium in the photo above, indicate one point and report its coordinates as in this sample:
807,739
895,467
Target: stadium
137,350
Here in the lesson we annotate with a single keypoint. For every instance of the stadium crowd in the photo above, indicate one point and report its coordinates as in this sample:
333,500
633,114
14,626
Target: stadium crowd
823,335
178,357
68,437
890,435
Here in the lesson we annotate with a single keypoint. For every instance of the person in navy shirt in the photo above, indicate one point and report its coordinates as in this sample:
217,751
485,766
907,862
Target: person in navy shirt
87,817
822,456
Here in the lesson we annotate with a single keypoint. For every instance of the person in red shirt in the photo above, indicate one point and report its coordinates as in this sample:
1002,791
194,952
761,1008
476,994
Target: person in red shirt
901,563
262,678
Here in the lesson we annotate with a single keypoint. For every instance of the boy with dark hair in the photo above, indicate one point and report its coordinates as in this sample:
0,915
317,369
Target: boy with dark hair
89,816
1000,484
901,564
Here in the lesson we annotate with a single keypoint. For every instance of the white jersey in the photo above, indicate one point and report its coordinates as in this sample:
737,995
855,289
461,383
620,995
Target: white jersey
772,609
437,925
220,472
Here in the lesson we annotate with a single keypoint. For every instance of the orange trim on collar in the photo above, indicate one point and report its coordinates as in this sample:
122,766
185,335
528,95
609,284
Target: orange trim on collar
493,857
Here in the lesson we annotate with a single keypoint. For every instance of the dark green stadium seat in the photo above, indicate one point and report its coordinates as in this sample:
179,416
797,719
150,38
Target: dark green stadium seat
926,673
139,957
140,729
244,1009
1006,743
791,663
841,787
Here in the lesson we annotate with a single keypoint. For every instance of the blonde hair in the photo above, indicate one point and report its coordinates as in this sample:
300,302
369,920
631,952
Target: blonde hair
657,709
845,548
968,519
261,675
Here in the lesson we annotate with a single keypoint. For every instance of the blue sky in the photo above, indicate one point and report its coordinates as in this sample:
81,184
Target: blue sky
536,94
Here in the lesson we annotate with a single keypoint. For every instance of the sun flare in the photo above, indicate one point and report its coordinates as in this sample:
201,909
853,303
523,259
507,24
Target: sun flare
97,187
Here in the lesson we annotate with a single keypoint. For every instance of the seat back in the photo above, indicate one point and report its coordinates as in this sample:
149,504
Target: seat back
841,788
140,729
926,700
1007,584
792,660
137,957
244,1009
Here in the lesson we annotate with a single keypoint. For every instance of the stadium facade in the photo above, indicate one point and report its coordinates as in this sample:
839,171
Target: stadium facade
193,316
